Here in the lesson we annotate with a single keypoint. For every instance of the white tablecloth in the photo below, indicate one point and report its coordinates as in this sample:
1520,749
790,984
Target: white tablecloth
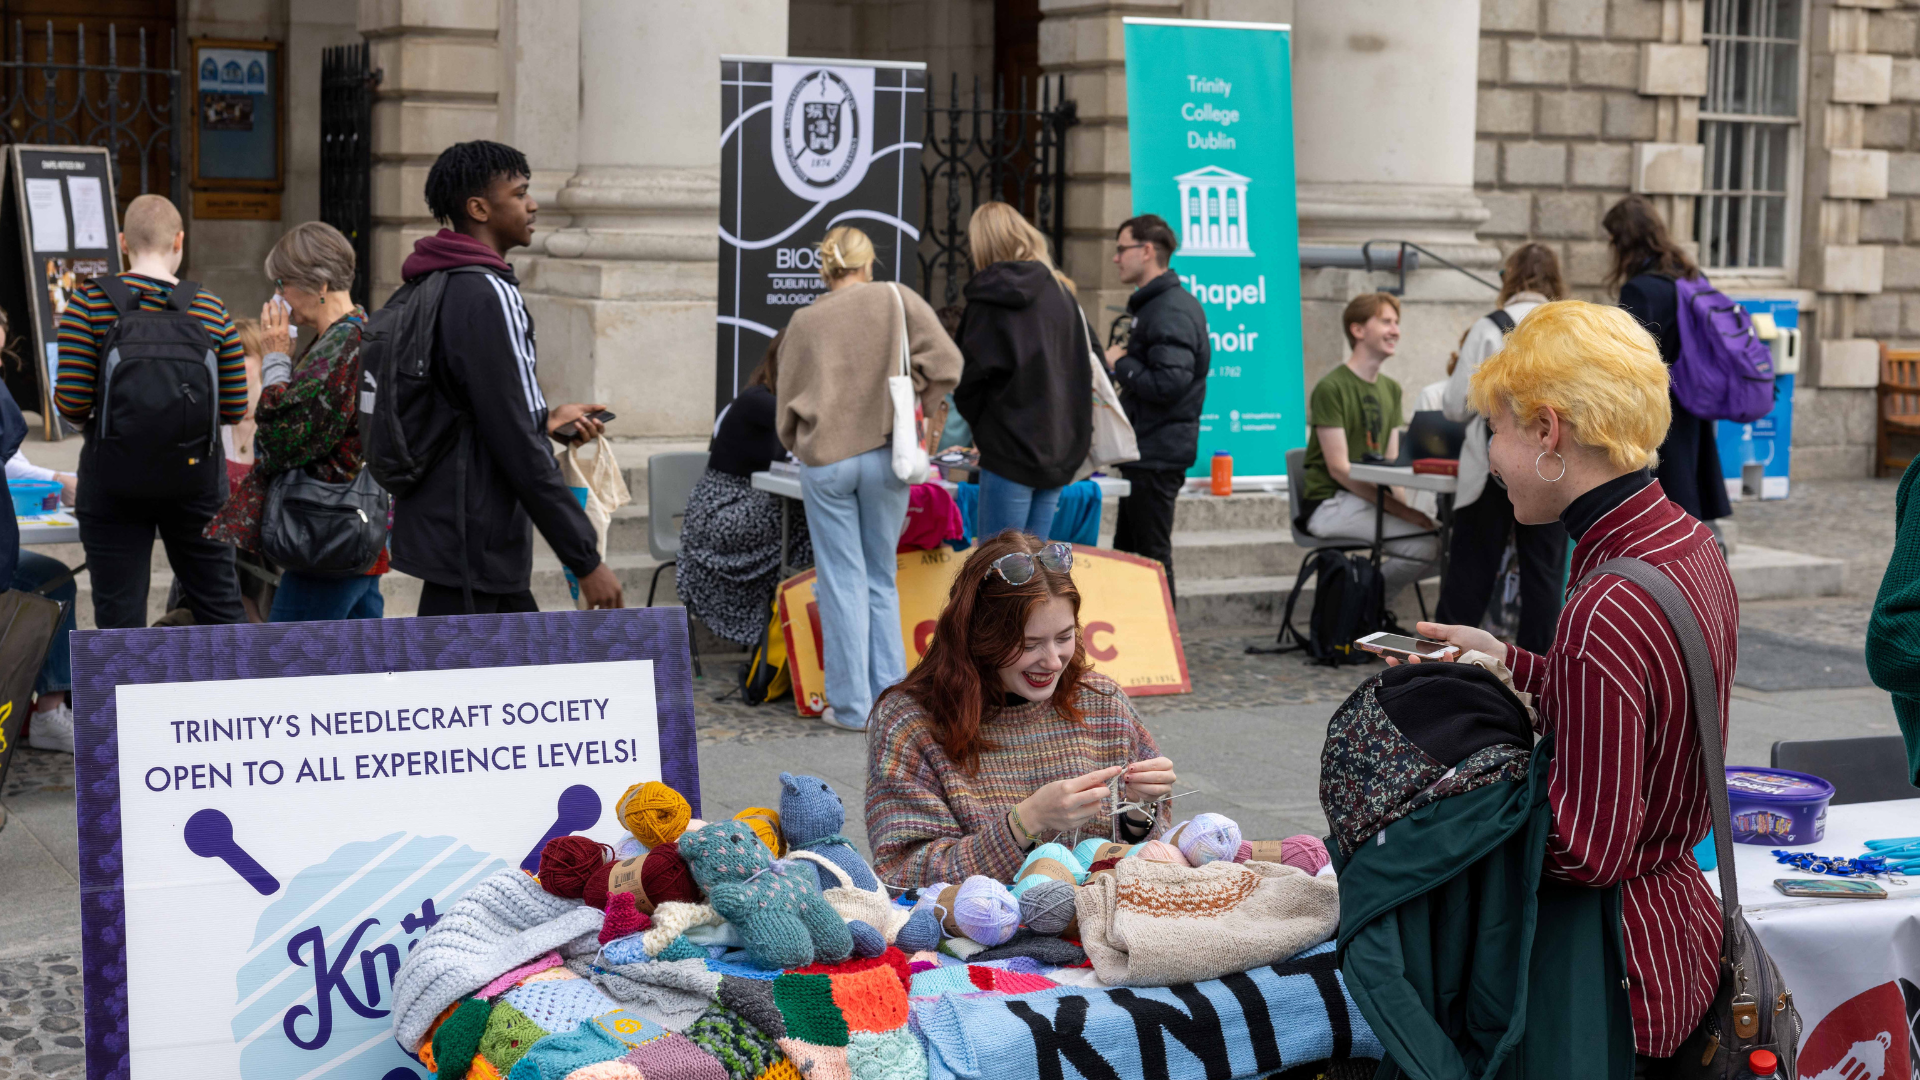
1853,965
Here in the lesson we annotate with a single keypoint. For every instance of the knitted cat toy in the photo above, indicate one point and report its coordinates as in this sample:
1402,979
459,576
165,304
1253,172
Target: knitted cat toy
811,817
782,916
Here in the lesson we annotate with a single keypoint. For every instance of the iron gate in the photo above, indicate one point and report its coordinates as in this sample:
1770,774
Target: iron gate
126,107
346,148
978,151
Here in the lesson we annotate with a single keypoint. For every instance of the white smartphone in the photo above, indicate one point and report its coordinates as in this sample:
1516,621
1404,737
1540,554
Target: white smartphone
1402,646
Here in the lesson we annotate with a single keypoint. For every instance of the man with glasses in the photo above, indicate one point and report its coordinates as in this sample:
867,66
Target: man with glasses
1161,373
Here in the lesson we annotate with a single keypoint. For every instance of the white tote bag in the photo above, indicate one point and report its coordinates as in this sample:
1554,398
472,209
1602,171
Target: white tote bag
910,461
1113,439
606,491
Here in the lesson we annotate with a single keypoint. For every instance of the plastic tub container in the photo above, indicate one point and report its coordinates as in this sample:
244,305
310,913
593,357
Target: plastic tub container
32,497
1777,807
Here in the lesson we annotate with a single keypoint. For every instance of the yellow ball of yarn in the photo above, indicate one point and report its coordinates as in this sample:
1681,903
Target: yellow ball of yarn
765,823
654,813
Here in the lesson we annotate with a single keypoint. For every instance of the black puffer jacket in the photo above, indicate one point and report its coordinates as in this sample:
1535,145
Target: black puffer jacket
1163,376
1026,389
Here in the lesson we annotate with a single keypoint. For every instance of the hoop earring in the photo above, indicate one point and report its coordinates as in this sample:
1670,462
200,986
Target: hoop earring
1544,476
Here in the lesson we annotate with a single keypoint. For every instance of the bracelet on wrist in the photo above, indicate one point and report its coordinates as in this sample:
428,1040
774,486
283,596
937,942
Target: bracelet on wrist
1019,827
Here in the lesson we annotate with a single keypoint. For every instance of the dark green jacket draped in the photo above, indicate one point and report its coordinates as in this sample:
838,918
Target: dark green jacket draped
1467,963
1893,634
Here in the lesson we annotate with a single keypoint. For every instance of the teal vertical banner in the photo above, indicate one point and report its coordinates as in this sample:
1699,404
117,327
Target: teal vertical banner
1210,119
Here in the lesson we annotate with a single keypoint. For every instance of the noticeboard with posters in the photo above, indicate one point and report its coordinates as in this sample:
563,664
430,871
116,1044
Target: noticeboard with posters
58,211
237,149
271,815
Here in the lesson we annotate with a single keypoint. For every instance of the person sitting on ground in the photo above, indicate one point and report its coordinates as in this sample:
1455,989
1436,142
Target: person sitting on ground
1576,404
484,356
145,489
1004,737
1482,513
307,417
729,561
1356,416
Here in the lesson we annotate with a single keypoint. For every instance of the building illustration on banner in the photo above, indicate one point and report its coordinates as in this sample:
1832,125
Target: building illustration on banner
1213,212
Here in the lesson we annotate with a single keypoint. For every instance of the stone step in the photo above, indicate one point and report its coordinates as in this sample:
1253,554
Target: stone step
1261,600
1199,512
1764,573
1233,553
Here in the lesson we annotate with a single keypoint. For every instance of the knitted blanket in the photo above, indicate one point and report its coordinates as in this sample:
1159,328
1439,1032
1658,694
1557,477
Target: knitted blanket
1256,1022
1157,924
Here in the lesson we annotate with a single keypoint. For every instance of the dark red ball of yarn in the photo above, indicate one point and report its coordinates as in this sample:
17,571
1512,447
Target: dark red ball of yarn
666,877
570,864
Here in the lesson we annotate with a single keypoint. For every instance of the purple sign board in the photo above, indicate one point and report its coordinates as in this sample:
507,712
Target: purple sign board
271,816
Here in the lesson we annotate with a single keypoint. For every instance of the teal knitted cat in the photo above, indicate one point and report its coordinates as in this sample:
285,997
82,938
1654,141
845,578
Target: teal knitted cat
777,909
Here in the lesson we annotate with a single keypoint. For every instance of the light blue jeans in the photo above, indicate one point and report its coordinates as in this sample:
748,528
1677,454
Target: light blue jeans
1005,504
855,509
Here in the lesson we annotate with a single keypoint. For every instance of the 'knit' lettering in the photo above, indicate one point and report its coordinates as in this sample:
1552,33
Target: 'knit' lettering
1200,1033
327,979
1062,1038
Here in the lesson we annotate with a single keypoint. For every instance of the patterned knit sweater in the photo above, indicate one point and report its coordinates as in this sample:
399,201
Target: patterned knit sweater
930,821
1893,635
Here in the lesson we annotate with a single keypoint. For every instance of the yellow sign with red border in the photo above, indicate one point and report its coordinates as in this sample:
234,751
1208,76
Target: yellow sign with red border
1126,620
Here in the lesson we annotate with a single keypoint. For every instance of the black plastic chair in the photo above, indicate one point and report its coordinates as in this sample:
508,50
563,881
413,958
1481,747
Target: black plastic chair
1871,769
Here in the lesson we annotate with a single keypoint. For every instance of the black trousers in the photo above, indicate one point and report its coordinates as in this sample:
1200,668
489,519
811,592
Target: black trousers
451,600
1473,567
118,533
1145,524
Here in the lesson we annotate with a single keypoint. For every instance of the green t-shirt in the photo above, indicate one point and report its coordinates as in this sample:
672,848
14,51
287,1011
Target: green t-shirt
1368,411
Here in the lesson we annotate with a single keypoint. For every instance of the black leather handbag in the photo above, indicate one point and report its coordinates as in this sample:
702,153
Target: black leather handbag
322,528
1752,1007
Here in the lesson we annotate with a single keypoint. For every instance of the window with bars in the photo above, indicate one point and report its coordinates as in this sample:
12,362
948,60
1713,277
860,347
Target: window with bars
1750,126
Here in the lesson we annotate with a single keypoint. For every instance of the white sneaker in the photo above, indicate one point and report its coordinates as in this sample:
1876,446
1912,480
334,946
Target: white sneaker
833,720
52,730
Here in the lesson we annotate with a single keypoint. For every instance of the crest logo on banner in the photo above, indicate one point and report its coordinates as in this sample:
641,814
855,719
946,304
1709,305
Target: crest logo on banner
1867,1037
823,138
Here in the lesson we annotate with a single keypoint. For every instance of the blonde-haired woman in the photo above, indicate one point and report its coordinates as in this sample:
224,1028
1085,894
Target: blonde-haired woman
1026,389
1577,404
833,413
1482,513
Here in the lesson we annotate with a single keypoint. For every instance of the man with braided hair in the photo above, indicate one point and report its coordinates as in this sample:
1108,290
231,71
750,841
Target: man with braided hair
485,366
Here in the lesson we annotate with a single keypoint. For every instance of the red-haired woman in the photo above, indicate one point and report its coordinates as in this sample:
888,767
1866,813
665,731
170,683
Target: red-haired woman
1003,737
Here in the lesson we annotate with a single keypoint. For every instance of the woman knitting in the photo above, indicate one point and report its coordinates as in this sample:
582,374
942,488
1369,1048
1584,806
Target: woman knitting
1003,737
1577,406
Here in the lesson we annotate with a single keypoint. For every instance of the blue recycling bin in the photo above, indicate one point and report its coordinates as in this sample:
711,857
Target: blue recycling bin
1756,458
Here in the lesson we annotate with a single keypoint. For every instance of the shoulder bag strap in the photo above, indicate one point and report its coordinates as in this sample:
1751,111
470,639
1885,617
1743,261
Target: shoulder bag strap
183,295
906,350
1501,321
117,292
1705,693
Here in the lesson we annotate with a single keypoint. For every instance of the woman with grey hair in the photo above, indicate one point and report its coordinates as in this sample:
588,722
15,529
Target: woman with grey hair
306,416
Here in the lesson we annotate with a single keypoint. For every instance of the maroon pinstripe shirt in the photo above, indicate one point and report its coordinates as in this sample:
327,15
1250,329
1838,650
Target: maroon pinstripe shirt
1628,786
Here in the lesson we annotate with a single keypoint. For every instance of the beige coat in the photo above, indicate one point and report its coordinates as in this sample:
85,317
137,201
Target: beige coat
834,364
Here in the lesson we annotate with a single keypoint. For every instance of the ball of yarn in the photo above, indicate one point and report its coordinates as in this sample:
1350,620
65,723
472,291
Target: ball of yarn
1209,837
627,847
654,813
866,940
1047,908
568,863
666,877
1087,851
1305,852
1245,852
765,823
985,911
921,932
1053,861
1160,851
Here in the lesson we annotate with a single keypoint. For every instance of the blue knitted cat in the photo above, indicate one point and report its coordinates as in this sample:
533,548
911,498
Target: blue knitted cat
782,916
811,817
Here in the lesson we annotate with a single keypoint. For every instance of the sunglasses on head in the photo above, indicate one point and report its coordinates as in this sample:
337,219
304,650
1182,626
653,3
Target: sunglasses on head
1017,568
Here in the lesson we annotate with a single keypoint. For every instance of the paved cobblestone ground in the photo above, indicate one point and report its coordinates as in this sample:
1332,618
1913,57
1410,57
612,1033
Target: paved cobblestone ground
40,1030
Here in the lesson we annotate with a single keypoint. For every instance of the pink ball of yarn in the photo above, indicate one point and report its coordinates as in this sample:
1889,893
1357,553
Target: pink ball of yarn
1160,851
1304,852
1245,852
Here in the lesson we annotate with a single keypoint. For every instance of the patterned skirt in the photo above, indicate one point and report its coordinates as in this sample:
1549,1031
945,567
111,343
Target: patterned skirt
730,554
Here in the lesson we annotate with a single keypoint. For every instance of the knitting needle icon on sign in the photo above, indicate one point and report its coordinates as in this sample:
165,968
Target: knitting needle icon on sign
210,836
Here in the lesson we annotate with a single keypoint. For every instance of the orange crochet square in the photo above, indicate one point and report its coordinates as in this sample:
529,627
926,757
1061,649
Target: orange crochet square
871,1000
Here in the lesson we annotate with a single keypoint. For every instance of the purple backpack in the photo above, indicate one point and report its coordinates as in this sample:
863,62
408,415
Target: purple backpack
1723,372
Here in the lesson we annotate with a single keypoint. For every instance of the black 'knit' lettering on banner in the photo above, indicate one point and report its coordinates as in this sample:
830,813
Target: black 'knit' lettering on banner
1061,1037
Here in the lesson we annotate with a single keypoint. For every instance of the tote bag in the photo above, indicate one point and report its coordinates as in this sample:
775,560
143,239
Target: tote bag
601,488
910,462
1113,439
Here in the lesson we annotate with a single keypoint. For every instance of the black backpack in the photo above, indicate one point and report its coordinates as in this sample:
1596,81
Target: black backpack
406,424
155,429
1348,593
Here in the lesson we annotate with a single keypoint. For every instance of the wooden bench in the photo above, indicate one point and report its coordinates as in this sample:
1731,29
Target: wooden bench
1899,400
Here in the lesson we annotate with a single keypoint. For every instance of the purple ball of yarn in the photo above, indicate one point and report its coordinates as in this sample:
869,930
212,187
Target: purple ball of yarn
1304,852
985,911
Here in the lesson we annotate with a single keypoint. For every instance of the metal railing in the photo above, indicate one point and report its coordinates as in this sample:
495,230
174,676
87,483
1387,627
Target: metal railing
1404,260
347,82
978,150
127,108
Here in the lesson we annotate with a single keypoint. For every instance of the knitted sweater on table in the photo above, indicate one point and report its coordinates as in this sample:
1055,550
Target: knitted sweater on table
930,821
1893,634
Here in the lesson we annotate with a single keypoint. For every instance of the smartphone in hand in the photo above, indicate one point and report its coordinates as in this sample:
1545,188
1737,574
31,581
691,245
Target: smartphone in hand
1403,647
566,433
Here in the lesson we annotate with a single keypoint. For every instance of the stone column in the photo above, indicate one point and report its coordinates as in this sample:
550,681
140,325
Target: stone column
625,294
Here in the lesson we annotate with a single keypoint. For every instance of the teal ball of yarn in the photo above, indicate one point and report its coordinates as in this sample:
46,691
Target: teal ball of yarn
1084,851
1048,907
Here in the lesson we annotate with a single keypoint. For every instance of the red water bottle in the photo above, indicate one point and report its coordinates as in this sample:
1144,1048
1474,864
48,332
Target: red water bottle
1762,1065
1222,479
